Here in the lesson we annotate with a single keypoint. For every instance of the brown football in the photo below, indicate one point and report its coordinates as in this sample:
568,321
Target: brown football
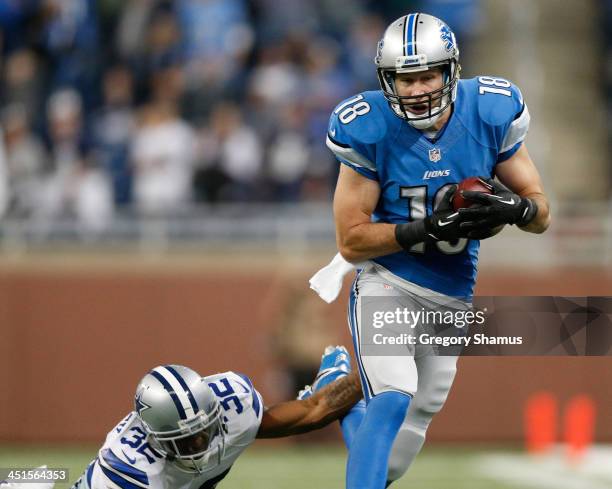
474,184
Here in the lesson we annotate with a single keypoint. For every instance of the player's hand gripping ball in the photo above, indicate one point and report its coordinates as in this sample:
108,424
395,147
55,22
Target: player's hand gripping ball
474,184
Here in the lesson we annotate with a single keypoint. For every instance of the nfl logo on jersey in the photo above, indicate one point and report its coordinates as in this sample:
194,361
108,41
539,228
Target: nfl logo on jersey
435,155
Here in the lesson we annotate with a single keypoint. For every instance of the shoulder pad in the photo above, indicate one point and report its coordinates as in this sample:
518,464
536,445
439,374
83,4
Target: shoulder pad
359,119
499,100
355,127
230,385
496,113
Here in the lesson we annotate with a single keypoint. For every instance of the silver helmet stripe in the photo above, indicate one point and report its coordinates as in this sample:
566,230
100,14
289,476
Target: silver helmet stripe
174,389
406,34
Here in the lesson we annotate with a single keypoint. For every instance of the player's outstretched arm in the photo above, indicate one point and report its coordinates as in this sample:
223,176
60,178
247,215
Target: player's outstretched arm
320,409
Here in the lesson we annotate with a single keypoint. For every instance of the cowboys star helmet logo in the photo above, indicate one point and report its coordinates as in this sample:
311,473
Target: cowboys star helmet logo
140,405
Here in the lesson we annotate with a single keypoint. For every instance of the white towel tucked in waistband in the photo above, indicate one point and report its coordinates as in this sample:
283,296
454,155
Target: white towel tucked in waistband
328,281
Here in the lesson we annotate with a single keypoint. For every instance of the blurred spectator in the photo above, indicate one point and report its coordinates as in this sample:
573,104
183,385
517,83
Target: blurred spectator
111,128
91,198
16,19
217,39
231,158
289,155
131,29
22,82
606,28
4,186
162,45
167,86
70,38
276,20
26,161
216,36
75,187
276,79
162,153
326,81
361,48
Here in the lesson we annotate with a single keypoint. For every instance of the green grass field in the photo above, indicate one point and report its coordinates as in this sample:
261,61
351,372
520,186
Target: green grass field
322,467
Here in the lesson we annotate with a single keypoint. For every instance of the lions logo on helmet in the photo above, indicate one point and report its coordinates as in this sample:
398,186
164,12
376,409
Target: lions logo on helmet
415,43
182,417
447,36
379,49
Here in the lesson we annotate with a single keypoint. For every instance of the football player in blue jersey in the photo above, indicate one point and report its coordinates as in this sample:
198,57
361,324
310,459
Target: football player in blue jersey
402,150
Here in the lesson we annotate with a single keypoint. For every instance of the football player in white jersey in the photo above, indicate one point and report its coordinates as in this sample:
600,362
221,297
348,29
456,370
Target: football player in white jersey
186,431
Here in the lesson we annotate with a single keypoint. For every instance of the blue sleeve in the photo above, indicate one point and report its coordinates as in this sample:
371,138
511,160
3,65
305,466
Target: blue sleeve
354,128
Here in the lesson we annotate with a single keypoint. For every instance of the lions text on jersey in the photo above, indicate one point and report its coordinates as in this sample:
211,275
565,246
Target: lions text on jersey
487,126
128,461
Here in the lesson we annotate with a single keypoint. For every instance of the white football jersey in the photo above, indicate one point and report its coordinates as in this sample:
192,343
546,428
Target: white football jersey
128,461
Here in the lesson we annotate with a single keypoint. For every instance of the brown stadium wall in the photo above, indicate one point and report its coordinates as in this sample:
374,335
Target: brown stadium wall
74,342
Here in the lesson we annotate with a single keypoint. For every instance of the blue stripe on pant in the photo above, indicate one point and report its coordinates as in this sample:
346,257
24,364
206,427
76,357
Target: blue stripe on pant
352,319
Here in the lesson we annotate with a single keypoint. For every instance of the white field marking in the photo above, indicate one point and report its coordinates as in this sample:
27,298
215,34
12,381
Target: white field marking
550,471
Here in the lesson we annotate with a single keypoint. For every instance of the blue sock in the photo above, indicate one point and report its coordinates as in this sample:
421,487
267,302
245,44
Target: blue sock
370,448
351,422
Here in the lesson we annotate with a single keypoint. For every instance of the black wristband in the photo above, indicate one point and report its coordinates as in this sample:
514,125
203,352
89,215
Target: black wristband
529,212
411,233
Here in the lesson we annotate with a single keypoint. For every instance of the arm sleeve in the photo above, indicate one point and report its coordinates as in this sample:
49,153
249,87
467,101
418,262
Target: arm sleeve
515,135
254,397
515,130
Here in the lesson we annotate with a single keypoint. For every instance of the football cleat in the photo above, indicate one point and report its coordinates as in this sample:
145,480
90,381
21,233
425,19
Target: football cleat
335,363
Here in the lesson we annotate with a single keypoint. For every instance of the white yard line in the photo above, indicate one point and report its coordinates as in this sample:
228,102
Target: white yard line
550,471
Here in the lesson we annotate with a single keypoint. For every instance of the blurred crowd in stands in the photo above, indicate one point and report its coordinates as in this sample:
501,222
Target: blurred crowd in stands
153,105
606,29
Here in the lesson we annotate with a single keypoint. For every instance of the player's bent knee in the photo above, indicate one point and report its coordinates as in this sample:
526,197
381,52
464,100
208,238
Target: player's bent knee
429,402
434,396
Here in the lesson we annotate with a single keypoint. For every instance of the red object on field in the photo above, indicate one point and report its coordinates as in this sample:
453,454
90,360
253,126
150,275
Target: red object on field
475,184
579,426
540,422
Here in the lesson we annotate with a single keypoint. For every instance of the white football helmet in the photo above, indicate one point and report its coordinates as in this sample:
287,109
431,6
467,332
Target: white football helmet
182,417
413,43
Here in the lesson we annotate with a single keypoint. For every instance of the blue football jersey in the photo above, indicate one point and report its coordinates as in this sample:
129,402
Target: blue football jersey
488,124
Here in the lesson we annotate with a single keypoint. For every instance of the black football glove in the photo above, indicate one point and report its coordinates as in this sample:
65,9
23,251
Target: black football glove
501,207
444,223
441,225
